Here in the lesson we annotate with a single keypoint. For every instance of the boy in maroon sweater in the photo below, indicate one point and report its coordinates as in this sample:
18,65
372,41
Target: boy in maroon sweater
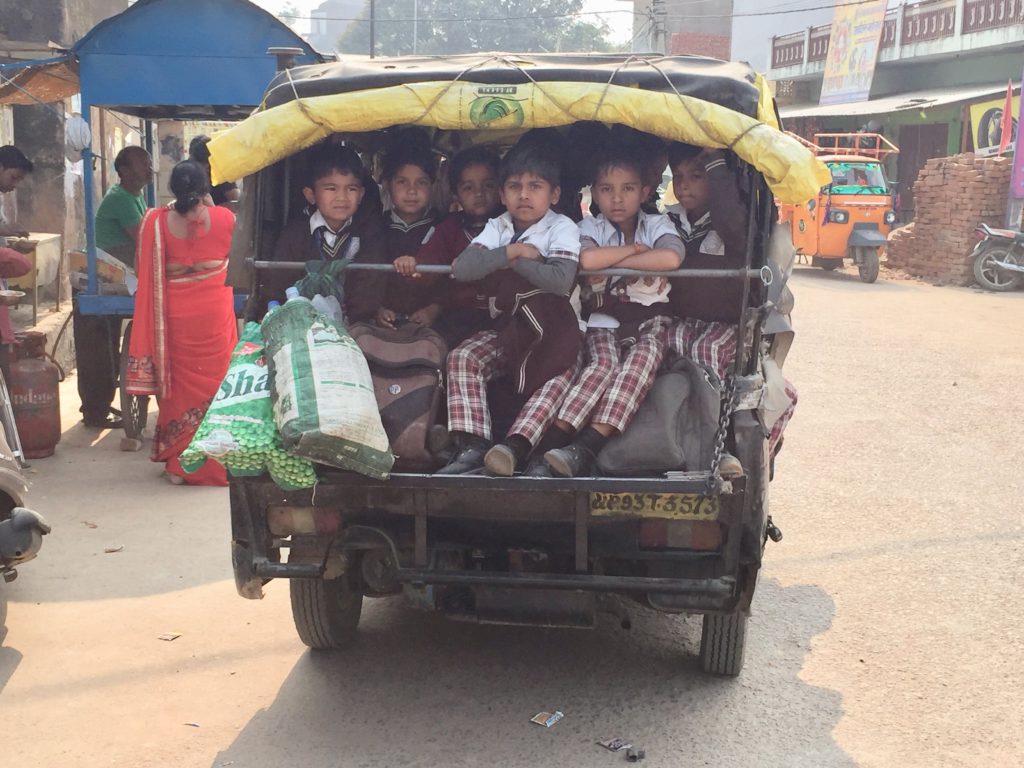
473,178
408,177
712,221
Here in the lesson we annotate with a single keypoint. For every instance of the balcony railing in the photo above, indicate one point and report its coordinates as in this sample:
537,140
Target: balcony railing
922,21
980,15
819,43
788,50
889,29
928,20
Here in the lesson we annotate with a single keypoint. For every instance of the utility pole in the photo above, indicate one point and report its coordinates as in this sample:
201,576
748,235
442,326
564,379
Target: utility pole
415,24
657,15
373,14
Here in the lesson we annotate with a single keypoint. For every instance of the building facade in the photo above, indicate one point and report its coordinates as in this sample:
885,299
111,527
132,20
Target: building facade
940,63
701,28
330,20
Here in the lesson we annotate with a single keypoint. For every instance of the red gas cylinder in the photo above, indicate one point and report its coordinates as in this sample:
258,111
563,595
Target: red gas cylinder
35,397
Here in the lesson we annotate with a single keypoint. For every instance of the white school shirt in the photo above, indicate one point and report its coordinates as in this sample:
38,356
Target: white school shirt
555,236
598,231
317,220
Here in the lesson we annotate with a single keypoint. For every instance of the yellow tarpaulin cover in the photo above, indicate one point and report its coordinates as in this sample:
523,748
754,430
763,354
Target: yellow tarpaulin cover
267,136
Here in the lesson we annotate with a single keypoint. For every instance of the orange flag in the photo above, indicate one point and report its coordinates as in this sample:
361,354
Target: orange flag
1006,125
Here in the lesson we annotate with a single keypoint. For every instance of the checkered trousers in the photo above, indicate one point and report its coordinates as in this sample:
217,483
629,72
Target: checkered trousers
474,363
634,377
599,360
708,343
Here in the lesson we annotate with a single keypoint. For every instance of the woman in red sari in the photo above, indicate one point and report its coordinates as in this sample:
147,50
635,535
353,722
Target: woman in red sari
184,326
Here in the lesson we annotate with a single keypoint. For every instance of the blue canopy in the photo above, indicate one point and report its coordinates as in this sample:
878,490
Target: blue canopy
184,58
176,59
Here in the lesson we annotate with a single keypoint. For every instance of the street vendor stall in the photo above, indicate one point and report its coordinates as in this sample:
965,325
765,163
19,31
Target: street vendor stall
187,60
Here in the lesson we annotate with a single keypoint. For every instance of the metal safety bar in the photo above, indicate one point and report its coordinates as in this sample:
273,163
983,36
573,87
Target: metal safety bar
764,274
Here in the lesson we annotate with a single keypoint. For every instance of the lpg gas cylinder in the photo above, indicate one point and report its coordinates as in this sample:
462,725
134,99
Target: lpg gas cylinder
35,397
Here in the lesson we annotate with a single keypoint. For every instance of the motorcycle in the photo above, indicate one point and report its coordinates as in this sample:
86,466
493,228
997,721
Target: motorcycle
998,258
21,529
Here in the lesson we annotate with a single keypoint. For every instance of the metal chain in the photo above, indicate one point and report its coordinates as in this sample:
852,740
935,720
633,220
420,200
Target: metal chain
728,403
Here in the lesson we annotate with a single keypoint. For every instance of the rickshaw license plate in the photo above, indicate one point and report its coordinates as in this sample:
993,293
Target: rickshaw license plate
672,506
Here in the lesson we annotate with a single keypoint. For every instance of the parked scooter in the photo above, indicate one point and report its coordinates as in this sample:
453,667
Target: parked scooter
21,529
998,258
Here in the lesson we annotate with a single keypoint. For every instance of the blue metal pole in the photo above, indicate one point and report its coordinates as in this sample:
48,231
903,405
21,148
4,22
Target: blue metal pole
90,206
151,188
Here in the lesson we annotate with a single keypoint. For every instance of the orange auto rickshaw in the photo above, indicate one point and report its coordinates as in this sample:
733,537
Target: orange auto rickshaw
851,217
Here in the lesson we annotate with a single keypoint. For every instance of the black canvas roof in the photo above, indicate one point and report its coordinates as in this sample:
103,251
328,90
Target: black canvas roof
729,84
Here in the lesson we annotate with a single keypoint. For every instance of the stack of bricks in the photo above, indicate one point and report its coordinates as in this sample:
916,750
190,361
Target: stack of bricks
952,196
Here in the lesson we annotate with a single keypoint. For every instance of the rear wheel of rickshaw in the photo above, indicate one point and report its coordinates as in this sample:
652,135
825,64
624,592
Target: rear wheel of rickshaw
868,264
134,409
722,642
326,611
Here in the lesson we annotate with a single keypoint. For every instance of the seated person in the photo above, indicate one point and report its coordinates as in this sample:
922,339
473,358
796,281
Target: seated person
473,177
339,226
408,177
712,222
621,362
534,254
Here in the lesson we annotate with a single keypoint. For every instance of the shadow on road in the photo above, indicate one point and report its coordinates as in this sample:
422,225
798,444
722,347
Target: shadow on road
417,689
10,658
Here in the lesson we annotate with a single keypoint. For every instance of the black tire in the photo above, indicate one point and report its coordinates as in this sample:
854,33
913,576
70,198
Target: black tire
722,641
326,612
991,277
134,410
831,265
868,268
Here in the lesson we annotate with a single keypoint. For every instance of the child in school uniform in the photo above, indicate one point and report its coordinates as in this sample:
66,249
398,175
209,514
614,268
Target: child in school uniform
712,221
473,178
341,224
622,361
533,254
408,177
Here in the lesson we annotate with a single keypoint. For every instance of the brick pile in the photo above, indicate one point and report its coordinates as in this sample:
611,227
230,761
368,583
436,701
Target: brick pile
952,195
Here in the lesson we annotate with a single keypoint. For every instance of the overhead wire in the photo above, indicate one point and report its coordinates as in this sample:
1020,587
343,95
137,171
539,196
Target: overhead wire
777,11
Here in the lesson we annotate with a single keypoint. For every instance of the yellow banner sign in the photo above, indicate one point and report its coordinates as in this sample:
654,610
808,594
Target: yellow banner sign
852,52
987,121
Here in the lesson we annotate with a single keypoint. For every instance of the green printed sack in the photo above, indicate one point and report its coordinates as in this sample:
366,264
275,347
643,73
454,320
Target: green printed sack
239,430
324,403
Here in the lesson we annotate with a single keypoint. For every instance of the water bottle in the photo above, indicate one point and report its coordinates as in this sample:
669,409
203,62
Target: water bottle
292,294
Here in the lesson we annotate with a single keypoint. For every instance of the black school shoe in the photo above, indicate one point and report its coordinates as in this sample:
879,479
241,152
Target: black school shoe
574,460
470,458
538,467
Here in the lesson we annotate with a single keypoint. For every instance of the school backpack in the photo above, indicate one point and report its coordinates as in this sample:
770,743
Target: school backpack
406,365
674,428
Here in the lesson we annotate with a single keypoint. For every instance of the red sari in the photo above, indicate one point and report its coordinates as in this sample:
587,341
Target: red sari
183,332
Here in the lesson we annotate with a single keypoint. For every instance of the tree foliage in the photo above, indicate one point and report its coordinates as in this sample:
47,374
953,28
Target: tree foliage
451,26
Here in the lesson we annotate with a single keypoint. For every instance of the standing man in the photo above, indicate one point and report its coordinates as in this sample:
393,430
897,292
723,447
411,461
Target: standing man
14,167
98,339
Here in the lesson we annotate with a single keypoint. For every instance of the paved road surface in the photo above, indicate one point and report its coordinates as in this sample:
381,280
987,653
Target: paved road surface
887,627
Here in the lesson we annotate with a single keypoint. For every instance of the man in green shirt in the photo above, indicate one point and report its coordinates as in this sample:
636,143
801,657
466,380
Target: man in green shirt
120,213
98,339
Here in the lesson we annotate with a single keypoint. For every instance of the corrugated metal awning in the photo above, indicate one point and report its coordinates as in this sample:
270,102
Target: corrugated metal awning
900,102
39,80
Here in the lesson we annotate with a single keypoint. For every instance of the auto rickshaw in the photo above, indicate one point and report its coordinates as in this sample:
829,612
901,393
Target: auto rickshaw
525,550
850,218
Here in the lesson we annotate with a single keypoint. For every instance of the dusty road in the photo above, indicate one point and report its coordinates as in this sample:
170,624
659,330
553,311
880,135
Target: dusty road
887,629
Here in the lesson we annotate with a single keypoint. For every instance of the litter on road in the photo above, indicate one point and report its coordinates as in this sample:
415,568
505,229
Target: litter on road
616,745
168,636
547,719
